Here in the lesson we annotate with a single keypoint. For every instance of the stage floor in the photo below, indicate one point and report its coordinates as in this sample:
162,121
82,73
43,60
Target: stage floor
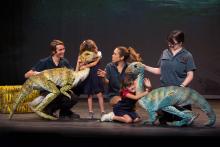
29,127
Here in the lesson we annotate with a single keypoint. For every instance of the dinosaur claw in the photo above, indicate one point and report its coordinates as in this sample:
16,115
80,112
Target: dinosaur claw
71,91
66,94
11,114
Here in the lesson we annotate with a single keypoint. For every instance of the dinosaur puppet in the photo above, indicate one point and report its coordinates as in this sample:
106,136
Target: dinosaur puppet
165,98
49,80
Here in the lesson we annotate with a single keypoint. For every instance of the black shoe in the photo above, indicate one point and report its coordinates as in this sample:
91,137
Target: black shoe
73,115
49,112
163,120
69,116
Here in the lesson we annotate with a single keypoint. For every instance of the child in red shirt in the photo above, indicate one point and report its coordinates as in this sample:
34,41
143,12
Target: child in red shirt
124,110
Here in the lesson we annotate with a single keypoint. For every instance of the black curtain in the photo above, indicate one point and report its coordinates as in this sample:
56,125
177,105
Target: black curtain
29,26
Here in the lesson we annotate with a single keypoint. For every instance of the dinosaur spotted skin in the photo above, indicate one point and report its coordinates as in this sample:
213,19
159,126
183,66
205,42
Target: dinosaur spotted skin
165,98
49,80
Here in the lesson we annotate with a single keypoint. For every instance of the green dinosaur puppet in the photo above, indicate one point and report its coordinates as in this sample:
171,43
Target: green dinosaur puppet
49,80
165,98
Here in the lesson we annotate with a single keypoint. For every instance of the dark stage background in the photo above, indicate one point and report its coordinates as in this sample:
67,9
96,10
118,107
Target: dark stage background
29,25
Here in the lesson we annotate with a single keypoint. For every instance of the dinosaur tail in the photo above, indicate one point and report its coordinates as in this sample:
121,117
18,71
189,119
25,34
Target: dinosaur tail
25,90
202,103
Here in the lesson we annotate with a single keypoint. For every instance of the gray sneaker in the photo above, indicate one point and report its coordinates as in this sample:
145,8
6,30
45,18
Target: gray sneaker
91,115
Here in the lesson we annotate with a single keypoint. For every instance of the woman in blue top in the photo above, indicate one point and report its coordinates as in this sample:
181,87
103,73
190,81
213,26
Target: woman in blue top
176,68
114,72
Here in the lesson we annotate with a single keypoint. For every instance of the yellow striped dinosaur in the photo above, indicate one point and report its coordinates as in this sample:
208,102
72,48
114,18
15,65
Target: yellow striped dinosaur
49,80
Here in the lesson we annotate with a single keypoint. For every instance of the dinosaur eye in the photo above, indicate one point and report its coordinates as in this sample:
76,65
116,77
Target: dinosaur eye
135,66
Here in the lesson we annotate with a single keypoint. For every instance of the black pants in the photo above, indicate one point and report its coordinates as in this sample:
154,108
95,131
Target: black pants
63,103
167,117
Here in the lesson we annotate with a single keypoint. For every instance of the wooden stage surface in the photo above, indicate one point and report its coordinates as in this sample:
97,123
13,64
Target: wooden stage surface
30,127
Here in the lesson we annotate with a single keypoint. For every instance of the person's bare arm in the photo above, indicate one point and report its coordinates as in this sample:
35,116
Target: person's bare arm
188,79
153,70
77,65
102,73
138,96
30,73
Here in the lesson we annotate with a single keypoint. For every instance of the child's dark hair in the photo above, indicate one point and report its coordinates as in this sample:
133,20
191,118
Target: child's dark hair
128,81
87,45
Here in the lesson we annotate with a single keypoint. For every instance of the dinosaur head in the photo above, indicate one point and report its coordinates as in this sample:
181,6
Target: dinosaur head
135,68
88,56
